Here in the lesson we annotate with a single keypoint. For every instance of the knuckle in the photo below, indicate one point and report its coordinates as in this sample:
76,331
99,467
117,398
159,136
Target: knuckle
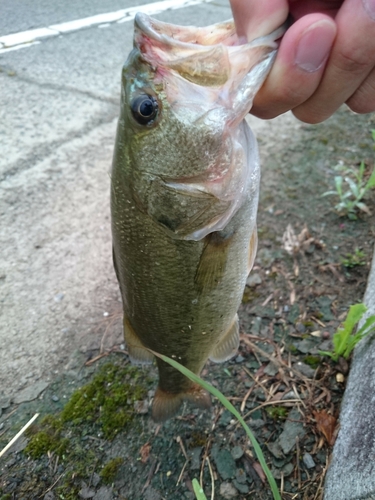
310,113
307,117
279,101
294,95
363,99
352,60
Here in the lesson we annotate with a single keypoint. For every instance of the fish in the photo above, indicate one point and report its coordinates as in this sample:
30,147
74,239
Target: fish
184,196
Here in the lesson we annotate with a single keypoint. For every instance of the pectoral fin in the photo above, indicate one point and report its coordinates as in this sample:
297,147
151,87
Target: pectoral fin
228,345
137,352
213,260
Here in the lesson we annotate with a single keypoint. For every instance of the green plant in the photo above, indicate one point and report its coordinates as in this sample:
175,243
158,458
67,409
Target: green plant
110,470
351,197
358,258
232,409
199,493
344,340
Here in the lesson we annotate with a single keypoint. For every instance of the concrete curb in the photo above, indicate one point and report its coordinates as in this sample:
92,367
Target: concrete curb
351,475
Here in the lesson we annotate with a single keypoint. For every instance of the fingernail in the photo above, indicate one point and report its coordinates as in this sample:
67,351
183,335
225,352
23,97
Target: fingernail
369,6
314,46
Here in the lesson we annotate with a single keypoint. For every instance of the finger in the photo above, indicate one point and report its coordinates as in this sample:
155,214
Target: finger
298,67
363,99
253,18
351,61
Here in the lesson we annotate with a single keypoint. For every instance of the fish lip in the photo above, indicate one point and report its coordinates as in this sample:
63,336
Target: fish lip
157,31
153,29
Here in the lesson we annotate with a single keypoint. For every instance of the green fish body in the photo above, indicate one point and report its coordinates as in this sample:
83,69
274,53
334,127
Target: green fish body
184,195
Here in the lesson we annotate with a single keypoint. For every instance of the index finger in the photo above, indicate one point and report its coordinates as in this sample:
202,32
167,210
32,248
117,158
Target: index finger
255,18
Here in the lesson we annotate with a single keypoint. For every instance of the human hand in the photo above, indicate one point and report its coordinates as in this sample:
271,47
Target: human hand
326,58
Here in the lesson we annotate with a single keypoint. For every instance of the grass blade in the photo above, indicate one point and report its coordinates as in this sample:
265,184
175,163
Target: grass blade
232,409
368,325
199,493
371,182
340,339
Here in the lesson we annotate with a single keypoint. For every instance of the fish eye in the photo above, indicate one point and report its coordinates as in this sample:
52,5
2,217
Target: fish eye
144,108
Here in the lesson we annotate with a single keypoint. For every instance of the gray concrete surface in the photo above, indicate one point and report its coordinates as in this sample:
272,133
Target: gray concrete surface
351,475
30,14
59,104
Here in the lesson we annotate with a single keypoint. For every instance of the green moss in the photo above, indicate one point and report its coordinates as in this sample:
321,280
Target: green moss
105,404
52,422
292,348
198,439
249,295
309,323
277,412
44,441
313,361
110,470
46,437
108,400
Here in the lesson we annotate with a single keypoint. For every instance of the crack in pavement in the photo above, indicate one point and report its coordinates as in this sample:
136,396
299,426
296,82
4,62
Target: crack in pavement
45,150
56,86
42,151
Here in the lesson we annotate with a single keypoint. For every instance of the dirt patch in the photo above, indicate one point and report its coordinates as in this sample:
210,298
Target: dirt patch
289,394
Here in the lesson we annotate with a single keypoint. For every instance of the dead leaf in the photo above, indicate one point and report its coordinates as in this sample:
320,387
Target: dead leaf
326,425
145,452
258,469
293,243
290,241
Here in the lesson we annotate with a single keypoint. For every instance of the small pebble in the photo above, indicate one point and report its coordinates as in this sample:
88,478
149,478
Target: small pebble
237,452
242,488
55,398
271,369
308,460
300,328
241,476
227,490
253,280
340,378
95,479
304,369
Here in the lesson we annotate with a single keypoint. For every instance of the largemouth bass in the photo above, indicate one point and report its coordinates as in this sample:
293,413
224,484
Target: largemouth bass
184,196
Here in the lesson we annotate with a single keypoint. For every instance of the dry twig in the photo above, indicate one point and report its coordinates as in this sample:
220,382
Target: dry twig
19,434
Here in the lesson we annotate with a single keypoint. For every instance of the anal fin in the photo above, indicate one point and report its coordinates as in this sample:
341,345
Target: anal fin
167,404
137,352
228,344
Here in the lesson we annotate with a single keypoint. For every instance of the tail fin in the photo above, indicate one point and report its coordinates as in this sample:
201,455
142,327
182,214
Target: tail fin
167,404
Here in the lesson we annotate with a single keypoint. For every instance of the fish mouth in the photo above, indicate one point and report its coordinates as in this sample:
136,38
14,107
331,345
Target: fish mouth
185,36
210,56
